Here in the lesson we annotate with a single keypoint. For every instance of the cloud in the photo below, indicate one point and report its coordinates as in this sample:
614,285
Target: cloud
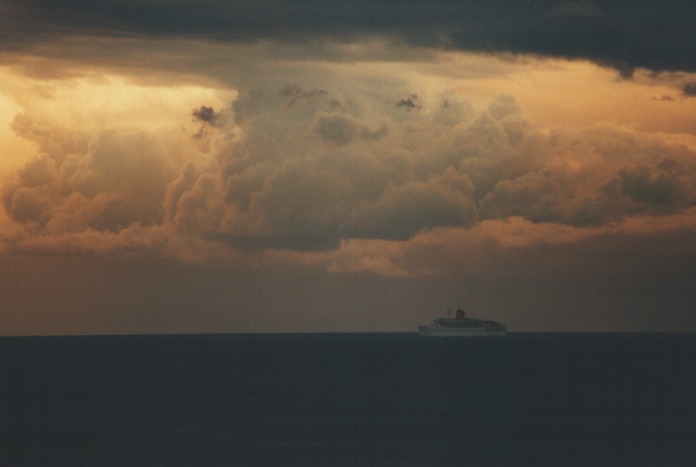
294,91
409,103
281,186
608,175
206,114
338,128
209,120
657,187
647,33
514,250
503,106
81,182
418,205
689,89
343,129
278,185
305,167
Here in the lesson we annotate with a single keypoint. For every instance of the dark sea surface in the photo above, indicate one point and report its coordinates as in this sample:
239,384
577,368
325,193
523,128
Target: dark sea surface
349,400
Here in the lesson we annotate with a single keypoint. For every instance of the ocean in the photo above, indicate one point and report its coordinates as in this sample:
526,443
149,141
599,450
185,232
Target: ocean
349,400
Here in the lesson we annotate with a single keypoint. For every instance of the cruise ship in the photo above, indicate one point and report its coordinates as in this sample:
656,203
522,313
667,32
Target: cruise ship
461,326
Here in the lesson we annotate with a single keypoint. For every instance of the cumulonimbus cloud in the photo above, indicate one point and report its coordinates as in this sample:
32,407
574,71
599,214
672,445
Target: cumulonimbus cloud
301,176
300,168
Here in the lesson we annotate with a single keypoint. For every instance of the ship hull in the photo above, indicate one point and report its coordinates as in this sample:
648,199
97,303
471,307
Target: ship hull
439,331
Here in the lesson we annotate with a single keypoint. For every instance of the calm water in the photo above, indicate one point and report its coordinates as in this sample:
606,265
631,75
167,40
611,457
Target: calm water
351,399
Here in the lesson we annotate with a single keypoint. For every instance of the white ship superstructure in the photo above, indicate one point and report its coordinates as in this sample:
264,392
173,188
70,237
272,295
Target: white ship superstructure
461,326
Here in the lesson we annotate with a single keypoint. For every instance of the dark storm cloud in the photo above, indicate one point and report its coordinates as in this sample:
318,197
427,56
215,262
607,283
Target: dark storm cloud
409,103
205,114
644,33
689,89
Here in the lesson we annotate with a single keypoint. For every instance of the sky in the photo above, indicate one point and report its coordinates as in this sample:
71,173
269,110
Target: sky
267,166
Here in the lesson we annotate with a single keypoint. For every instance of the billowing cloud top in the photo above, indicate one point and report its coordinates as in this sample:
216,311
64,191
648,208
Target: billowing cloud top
645,33
298,168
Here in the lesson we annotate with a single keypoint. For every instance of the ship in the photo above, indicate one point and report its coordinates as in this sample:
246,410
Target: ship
461,326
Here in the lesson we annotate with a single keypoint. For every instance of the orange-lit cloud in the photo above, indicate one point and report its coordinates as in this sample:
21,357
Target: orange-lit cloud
306,169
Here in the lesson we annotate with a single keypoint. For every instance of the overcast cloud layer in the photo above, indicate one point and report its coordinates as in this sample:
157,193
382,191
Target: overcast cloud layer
646,33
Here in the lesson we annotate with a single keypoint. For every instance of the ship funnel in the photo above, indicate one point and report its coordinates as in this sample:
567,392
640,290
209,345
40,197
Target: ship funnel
461,314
